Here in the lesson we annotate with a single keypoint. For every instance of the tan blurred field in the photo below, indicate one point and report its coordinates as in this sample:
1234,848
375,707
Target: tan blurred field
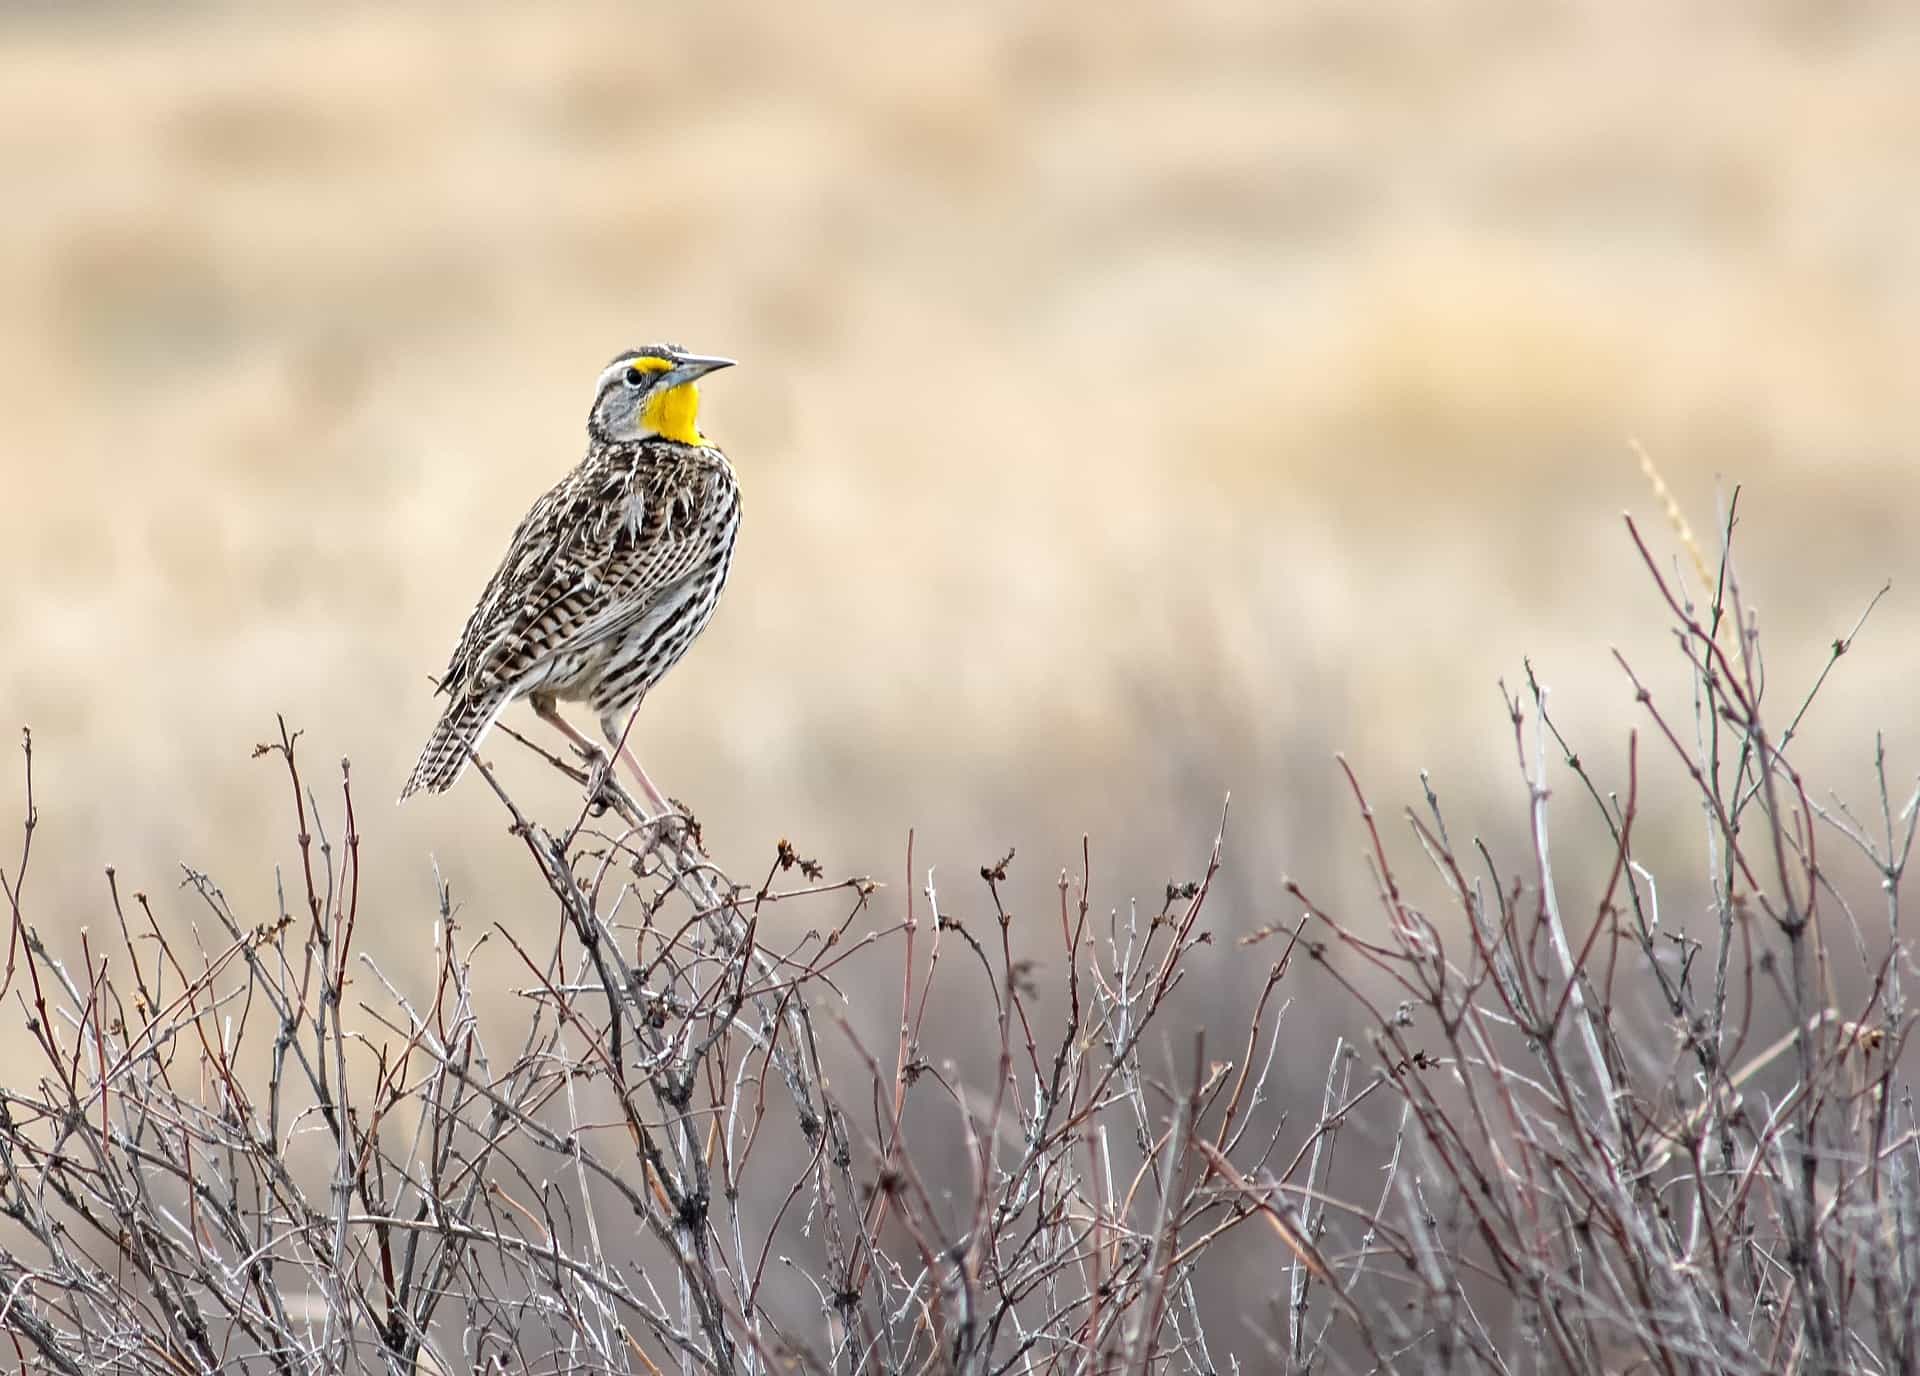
1136,404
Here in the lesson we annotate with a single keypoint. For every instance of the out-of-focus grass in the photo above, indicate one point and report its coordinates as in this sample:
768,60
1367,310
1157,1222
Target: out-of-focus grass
1133,406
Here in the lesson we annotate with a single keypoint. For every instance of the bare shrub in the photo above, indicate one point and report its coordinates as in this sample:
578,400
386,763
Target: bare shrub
250,1148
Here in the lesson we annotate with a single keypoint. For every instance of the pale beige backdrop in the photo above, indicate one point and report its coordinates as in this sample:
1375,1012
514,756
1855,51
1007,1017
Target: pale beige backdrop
1135,403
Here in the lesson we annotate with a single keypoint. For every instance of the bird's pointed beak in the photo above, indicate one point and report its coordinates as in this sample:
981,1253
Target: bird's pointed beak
693,366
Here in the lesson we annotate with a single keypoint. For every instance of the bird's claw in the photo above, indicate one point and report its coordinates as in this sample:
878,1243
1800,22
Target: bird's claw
599,774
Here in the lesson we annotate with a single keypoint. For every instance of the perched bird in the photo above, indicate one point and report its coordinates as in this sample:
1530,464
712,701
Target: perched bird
608,579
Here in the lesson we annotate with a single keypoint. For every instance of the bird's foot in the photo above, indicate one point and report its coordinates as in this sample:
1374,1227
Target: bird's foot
678,827
668,825
599,774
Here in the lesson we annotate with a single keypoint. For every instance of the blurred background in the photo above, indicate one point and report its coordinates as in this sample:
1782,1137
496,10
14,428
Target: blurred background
1135,404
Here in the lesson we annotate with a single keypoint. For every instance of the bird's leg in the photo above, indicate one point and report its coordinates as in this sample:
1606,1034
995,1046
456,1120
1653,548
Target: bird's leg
616,732
599,762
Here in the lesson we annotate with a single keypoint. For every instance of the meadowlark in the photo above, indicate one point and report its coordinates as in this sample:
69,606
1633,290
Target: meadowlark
607,580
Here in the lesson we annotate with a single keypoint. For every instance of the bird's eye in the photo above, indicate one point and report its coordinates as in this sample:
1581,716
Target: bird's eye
636,378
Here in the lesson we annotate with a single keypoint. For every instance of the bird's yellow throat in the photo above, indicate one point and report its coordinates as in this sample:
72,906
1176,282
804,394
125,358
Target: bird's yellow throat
672,414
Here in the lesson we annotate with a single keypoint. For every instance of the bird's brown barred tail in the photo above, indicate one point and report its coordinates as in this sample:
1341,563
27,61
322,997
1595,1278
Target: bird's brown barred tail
444,760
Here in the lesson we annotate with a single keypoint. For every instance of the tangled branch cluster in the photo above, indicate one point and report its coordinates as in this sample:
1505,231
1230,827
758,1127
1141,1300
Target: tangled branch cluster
261,1153
1560,1136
